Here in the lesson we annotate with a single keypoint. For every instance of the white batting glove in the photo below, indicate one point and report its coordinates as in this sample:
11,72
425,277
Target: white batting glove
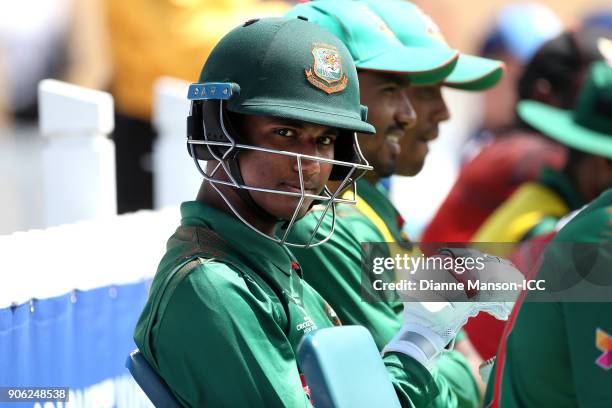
430,327
496,271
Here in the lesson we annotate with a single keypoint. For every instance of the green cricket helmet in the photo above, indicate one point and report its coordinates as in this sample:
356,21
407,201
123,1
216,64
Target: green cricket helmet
281,67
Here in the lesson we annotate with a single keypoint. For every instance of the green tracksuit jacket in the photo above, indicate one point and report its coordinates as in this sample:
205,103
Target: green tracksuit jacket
226,311
334,270
557,354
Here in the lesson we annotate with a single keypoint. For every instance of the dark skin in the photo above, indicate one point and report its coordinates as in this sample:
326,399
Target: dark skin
391,113
274,171
499,101
592,175
430,110
410,116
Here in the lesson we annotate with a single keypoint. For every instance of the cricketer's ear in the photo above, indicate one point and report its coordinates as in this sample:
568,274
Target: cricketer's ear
211,110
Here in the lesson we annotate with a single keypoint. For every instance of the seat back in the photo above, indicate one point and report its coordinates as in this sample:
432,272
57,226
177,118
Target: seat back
343,368
152,384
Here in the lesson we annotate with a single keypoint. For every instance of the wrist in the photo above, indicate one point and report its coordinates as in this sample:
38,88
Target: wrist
418,342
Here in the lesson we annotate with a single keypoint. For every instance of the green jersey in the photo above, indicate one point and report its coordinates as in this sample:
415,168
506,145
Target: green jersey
334,270
553,354
225,315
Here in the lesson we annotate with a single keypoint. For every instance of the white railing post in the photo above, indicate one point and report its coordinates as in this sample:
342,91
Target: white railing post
174,173
78,161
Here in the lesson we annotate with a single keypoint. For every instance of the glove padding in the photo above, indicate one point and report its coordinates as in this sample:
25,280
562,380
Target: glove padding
429,327
496,271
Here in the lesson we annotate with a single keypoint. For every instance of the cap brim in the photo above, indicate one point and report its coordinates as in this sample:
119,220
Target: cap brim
424,65
305,115
474,73
558,124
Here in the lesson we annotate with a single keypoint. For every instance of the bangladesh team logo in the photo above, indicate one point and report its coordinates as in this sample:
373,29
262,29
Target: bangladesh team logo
326,73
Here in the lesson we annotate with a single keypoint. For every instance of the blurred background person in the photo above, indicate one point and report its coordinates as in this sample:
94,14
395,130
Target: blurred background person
517,33
61,39
562,189
562,340
536,206
512,34
153,39
518,154
33,46
543,188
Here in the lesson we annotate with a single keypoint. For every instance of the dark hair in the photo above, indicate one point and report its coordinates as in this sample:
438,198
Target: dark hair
561,61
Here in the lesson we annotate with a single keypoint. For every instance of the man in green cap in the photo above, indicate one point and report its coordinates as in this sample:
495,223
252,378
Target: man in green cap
386,80
228,305
535,207
472,73
414,28
515,155
559,353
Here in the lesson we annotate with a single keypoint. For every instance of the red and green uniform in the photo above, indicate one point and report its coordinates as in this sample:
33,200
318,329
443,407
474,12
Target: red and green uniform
532,211
484,183
226,312
550,351
334,269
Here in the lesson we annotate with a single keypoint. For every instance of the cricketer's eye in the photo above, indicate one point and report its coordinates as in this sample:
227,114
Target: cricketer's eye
426,91
285,132
390,89
328,139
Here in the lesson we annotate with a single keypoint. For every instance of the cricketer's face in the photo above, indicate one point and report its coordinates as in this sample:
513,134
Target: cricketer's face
430,111
281,172
391,113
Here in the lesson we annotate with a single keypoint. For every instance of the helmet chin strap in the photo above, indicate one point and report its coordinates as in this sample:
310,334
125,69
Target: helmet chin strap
208,126
221,128
245,194
312,204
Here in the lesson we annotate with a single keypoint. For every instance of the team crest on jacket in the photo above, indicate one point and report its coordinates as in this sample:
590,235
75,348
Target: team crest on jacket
326,73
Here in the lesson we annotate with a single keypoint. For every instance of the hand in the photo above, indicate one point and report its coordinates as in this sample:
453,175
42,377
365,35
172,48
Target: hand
491,275
429,327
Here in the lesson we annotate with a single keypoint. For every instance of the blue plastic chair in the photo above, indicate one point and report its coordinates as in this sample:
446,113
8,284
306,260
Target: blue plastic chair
343,368
152,384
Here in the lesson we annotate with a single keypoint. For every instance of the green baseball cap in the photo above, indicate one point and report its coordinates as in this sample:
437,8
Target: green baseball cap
289,68
416,29
588,127
372,44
